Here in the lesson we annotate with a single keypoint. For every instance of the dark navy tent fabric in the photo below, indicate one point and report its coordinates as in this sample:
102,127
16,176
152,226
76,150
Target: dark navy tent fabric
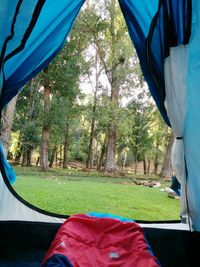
32,32
58,260
154,27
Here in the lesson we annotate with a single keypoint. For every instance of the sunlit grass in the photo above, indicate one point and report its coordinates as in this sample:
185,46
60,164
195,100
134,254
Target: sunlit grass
72,191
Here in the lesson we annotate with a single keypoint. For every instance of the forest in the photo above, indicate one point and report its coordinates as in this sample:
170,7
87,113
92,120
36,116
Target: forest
91,105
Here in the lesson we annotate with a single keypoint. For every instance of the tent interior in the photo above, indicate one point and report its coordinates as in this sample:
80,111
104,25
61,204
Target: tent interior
166,36
25,244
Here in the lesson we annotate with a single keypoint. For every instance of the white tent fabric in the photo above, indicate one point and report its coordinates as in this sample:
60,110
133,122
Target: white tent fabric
182,103
176,102
176,105
11,209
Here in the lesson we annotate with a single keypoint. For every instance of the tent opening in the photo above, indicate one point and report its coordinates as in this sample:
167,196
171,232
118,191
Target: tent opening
89,115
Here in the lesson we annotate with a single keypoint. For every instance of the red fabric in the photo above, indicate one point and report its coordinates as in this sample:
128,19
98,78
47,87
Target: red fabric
101,242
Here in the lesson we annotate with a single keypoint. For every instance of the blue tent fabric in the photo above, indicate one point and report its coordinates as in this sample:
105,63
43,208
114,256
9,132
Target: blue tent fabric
15,32
192,129
112,216
33,35
173,24
8,169
154,27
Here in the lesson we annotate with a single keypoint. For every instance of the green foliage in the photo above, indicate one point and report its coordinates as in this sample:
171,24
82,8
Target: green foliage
28,114
159,133
93,41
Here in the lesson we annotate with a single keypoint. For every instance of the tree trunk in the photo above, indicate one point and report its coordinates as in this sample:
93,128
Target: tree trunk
136,165
66,147
53,155
19,153
144,165
90,150
38,161
34,89
156,158
44,149
113,78
166,171
148,166
60,162
155,171
110,165
29,156
93,158
44,145
24,158
7,121
124,161
56,158
103,150
18,157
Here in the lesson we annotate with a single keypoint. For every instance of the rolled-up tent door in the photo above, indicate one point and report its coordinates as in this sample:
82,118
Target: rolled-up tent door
166,35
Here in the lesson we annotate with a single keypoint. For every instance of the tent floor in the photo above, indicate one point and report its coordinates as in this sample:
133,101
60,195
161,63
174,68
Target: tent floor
23,244
22,258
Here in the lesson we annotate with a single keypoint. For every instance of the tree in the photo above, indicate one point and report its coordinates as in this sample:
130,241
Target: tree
108,32
98,71
6,124
26,124
99,129
166,171
159,132
139,138
46,127
65,74
30,132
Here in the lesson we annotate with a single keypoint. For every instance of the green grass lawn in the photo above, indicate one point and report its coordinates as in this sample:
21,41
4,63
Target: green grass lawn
71,191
